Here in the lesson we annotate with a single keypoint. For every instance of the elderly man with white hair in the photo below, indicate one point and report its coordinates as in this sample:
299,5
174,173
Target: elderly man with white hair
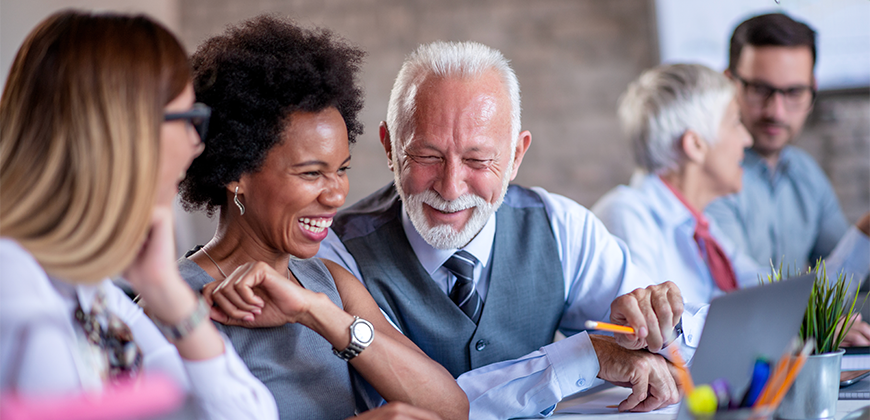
688,140
480,274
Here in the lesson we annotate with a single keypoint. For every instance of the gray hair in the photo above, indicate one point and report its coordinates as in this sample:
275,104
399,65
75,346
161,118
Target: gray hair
462,60
665,102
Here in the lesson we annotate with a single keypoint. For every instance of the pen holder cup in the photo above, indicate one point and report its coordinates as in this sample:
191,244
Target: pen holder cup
816,389
739,414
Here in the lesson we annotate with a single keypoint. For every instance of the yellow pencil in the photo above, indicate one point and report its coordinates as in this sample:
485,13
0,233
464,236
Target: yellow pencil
604,326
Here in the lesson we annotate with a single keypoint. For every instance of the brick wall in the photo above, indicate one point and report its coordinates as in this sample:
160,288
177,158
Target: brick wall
837,134
573,59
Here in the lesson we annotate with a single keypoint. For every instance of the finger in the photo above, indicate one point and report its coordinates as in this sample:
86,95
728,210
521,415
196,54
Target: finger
629,341
218,315
207,291
637,396
626,309
230,309
639,389
663,389
659,318
231,292
245,292
651,403
675,297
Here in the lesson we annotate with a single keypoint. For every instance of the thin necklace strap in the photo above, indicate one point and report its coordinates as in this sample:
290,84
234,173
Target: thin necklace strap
222,271
214,262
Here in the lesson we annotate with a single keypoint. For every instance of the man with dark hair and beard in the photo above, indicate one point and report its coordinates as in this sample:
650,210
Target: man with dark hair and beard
787,212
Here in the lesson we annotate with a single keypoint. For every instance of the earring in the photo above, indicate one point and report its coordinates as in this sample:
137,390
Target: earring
238,203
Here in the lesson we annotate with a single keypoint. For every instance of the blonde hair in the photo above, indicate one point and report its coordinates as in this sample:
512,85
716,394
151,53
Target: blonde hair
80,115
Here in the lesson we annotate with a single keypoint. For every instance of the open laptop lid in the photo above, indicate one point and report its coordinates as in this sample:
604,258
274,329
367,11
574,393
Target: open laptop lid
745,325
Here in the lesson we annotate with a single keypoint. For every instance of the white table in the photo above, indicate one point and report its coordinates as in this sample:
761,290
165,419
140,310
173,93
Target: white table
609,393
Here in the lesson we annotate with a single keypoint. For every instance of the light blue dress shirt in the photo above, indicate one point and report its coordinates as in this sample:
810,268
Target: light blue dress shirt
596,268
659,231
791,215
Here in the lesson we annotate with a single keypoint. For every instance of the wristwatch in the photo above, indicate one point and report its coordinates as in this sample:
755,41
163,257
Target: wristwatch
361,335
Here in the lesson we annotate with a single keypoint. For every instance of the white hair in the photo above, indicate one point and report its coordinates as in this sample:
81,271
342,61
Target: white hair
665,102
461,60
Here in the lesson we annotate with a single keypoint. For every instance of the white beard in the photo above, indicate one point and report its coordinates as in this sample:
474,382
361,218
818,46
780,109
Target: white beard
444,236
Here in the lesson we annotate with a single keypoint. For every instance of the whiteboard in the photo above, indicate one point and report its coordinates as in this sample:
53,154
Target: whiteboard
699,31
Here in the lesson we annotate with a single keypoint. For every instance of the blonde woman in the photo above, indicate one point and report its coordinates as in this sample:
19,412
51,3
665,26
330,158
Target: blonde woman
98,125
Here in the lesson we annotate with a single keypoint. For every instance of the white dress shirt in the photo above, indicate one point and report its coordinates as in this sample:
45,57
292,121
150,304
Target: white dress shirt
596,268
40,354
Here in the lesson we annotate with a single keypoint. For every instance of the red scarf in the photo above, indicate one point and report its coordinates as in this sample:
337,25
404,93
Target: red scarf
717,261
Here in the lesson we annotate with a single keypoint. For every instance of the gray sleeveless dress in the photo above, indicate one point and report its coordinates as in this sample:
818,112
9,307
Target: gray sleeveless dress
294,362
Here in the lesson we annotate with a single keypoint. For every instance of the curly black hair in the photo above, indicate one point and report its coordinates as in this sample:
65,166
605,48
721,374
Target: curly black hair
254,76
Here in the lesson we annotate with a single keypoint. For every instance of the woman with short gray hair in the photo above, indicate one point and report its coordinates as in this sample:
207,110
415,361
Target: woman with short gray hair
687,137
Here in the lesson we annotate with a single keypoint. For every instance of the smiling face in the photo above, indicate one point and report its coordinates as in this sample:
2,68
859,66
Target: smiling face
294,196
722,161
771,123
455,164
179,145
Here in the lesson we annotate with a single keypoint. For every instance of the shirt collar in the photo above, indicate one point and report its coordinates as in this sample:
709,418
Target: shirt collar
699,217
664,203
432,258
753,161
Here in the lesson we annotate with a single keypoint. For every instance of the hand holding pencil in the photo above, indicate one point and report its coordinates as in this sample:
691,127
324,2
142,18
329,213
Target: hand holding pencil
652,312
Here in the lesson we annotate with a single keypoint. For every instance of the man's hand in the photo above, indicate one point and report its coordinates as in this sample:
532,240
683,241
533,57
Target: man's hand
864,223
653,380
652,312
858,335
397,411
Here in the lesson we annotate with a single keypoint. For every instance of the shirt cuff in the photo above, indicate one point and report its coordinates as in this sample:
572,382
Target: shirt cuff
694,315
574,363
852,255
227,389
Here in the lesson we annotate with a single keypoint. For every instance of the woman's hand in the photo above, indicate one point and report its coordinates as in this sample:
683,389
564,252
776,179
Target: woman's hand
256,296
154,275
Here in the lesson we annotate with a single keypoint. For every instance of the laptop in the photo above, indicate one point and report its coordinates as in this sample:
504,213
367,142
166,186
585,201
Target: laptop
745,325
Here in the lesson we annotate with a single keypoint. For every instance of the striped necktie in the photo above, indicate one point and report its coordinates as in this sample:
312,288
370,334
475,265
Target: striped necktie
464,295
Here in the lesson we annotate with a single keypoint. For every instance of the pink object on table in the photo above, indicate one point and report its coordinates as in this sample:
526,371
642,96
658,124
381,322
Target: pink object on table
150,395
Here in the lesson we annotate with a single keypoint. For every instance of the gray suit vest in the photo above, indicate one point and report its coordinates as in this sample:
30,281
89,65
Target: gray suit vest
525,297
294,362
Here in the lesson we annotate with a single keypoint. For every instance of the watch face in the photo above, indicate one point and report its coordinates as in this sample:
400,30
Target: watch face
363,332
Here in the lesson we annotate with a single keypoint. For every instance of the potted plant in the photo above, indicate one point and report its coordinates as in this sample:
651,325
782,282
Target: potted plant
827,320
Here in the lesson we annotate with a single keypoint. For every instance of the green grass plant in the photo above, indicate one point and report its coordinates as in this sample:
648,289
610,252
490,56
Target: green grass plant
828,306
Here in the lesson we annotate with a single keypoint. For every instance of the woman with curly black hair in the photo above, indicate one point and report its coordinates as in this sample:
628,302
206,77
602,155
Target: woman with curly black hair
284,111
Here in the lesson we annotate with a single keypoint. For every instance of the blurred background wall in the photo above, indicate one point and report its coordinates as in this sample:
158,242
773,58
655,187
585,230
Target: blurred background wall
573,59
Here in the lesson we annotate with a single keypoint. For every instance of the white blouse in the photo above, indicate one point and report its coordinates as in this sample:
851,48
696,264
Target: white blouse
41,355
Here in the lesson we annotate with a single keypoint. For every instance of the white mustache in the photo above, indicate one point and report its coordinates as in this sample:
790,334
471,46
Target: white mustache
463,202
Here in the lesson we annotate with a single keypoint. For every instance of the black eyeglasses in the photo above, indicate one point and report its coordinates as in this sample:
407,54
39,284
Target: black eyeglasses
794,98
197,117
